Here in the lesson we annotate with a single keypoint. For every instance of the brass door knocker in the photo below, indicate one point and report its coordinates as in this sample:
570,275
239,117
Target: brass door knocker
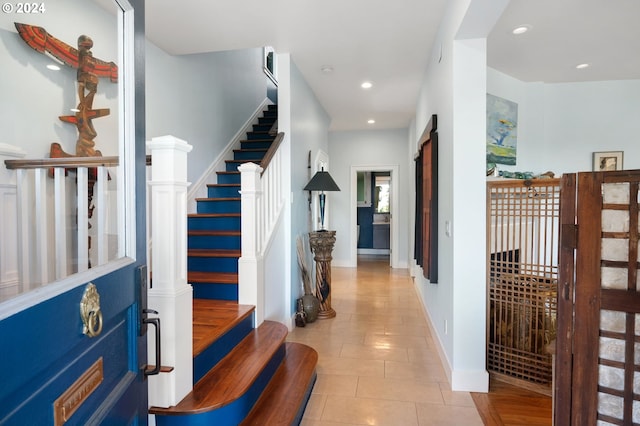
90,311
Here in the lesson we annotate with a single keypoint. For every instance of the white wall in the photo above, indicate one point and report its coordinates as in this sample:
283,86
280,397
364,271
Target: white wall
454,88
309,132
366,149
204,99
561,125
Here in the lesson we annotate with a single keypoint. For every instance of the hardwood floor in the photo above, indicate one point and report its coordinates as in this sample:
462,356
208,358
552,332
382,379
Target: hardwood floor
507,405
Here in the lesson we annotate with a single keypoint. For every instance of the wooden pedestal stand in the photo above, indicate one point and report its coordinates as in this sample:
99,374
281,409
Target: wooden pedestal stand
321,245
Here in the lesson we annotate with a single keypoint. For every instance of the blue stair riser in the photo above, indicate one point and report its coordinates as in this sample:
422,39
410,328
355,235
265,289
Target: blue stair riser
249,155
212,264
233,166
270,114
218,206
267,121
223,223
256,144
230,414
258,135
226,242
225,179
261,127
215,291
223,191
221,347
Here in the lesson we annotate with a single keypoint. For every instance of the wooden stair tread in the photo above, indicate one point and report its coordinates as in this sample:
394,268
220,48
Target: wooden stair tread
213,253
282,399
241,161
213,215
270,139
219,199
212,318
212,233
234,374
212,277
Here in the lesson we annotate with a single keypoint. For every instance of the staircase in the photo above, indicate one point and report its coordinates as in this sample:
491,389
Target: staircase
242,375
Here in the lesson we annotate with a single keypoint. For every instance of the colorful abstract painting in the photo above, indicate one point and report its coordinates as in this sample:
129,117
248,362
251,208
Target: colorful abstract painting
502,130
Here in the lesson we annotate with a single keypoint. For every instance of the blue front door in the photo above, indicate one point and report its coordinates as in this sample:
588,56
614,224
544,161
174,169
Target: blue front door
45,355
57,367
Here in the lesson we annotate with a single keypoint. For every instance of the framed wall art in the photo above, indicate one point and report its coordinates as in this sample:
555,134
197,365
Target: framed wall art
607,161
502,130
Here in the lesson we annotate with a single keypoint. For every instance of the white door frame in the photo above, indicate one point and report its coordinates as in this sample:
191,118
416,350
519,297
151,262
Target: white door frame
393,228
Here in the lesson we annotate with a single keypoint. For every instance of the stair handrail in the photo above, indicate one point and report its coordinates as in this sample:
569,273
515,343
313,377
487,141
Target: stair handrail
271,151
66,162
274,128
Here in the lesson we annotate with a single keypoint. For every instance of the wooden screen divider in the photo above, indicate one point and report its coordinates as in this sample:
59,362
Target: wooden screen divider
522,278
598,380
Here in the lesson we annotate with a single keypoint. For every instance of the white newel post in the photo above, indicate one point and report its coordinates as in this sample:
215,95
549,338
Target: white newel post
250,264
169,292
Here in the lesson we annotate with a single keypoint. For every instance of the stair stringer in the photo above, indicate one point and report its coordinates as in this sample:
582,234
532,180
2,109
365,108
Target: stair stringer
199,188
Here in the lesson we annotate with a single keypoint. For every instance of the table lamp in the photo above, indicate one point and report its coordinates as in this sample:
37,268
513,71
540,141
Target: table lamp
322,181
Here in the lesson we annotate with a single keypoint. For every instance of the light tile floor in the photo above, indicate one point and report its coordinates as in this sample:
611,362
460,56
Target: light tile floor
377,361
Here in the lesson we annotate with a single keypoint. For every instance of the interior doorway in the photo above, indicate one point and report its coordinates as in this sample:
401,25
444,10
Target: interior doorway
374,206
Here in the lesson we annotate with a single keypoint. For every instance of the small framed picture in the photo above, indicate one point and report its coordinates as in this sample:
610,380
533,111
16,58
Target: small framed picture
606,161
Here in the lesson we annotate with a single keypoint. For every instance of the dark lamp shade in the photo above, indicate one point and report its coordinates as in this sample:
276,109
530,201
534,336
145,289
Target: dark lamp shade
321,181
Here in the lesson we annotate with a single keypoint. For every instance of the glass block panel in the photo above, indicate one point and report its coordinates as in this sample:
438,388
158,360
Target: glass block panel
637,324
636,354
612,349
615,221
615,193
610,405
614,321
611,377
615,249
636,412
636,383
614,278
603,423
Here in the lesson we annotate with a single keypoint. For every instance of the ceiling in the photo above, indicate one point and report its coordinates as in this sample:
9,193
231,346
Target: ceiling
388,44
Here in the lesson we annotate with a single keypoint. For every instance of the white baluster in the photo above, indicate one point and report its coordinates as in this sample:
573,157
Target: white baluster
24,227
41,228
100,198
82,214
60,222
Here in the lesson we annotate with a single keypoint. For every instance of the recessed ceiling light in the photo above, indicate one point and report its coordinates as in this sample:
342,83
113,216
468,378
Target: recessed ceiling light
521,29
583,66
53,67
371,121
366,85
326,69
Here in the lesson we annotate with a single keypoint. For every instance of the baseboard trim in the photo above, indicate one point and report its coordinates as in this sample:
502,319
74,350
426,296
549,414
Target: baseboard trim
465,381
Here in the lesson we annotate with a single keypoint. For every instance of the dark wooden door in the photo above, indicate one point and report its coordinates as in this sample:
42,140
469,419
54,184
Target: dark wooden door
598,347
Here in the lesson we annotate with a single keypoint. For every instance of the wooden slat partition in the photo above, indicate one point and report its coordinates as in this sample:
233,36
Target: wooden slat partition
522,272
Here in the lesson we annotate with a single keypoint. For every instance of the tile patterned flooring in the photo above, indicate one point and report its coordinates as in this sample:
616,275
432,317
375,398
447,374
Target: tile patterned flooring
378,364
